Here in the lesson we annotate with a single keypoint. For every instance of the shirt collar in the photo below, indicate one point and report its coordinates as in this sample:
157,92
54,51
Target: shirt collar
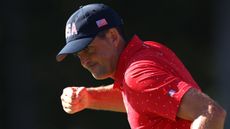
133,45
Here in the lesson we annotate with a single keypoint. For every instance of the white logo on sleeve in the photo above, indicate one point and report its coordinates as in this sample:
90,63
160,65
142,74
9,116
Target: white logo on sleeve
171,92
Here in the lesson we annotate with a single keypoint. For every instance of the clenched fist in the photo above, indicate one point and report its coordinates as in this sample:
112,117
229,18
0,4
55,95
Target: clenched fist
74,99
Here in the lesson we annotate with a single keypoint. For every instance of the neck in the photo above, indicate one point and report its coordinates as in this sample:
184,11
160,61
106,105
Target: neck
121,46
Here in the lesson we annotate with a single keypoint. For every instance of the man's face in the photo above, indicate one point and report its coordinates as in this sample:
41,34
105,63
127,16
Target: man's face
100,57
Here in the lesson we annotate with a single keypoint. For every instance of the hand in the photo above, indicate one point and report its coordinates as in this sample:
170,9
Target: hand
74,99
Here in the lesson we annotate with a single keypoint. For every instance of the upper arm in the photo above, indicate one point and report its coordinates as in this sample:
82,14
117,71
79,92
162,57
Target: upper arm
151,86
195,103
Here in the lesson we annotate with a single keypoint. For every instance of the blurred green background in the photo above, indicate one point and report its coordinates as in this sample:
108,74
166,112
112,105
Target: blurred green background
32,33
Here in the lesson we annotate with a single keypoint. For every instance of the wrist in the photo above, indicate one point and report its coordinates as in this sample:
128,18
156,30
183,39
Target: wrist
90,101
96,97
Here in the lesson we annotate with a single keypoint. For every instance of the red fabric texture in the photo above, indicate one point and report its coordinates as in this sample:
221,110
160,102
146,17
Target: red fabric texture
153,81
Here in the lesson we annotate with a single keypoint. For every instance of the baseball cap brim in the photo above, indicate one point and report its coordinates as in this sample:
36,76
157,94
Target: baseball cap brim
73,47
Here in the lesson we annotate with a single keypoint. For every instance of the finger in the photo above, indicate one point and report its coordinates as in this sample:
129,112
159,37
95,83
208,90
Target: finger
79,91
66,99
69,91
81,98
69,111
74,89
66,105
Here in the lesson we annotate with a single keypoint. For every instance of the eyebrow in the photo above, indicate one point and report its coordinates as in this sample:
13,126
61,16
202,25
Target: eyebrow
87,47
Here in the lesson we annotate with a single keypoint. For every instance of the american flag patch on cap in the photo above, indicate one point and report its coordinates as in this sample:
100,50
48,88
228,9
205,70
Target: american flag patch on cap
101,22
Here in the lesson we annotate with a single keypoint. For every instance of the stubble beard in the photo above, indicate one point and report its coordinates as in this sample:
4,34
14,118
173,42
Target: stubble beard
102,74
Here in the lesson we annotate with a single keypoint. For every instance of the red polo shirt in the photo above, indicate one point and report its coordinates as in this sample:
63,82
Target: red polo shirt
153,81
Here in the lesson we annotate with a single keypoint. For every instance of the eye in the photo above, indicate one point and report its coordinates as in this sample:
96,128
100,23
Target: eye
76,54
86,49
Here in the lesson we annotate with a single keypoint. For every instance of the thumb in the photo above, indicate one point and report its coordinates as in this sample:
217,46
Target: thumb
80,91
69,91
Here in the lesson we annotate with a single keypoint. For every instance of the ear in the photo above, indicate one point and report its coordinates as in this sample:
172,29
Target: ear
114,36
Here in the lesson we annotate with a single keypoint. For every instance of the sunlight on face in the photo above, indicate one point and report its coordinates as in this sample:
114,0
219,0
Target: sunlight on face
100,58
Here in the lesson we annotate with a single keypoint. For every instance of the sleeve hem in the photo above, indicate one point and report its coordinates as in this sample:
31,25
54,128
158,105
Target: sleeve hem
179,96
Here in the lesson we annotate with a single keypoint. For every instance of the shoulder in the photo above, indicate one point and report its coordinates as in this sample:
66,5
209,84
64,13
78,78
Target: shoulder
143,73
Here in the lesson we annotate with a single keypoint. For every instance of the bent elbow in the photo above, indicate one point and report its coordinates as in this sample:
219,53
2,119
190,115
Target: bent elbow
217,111
223,113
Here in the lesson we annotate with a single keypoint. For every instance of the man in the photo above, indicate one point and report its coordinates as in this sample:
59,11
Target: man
150,83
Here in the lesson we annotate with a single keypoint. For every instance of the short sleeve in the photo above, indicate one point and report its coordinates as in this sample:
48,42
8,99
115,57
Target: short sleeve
152,90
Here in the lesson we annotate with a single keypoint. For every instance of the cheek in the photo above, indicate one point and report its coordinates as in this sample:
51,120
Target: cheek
105,57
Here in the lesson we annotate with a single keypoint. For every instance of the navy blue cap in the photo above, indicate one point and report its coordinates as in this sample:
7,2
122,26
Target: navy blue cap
84,24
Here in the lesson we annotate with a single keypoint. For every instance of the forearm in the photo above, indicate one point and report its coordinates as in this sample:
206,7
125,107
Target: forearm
203,111
105,98
214,119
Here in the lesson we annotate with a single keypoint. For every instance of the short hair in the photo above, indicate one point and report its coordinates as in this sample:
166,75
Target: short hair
120,30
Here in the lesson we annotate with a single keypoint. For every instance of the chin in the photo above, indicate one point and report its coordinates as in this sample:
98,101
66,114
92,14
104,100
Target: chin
100,77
